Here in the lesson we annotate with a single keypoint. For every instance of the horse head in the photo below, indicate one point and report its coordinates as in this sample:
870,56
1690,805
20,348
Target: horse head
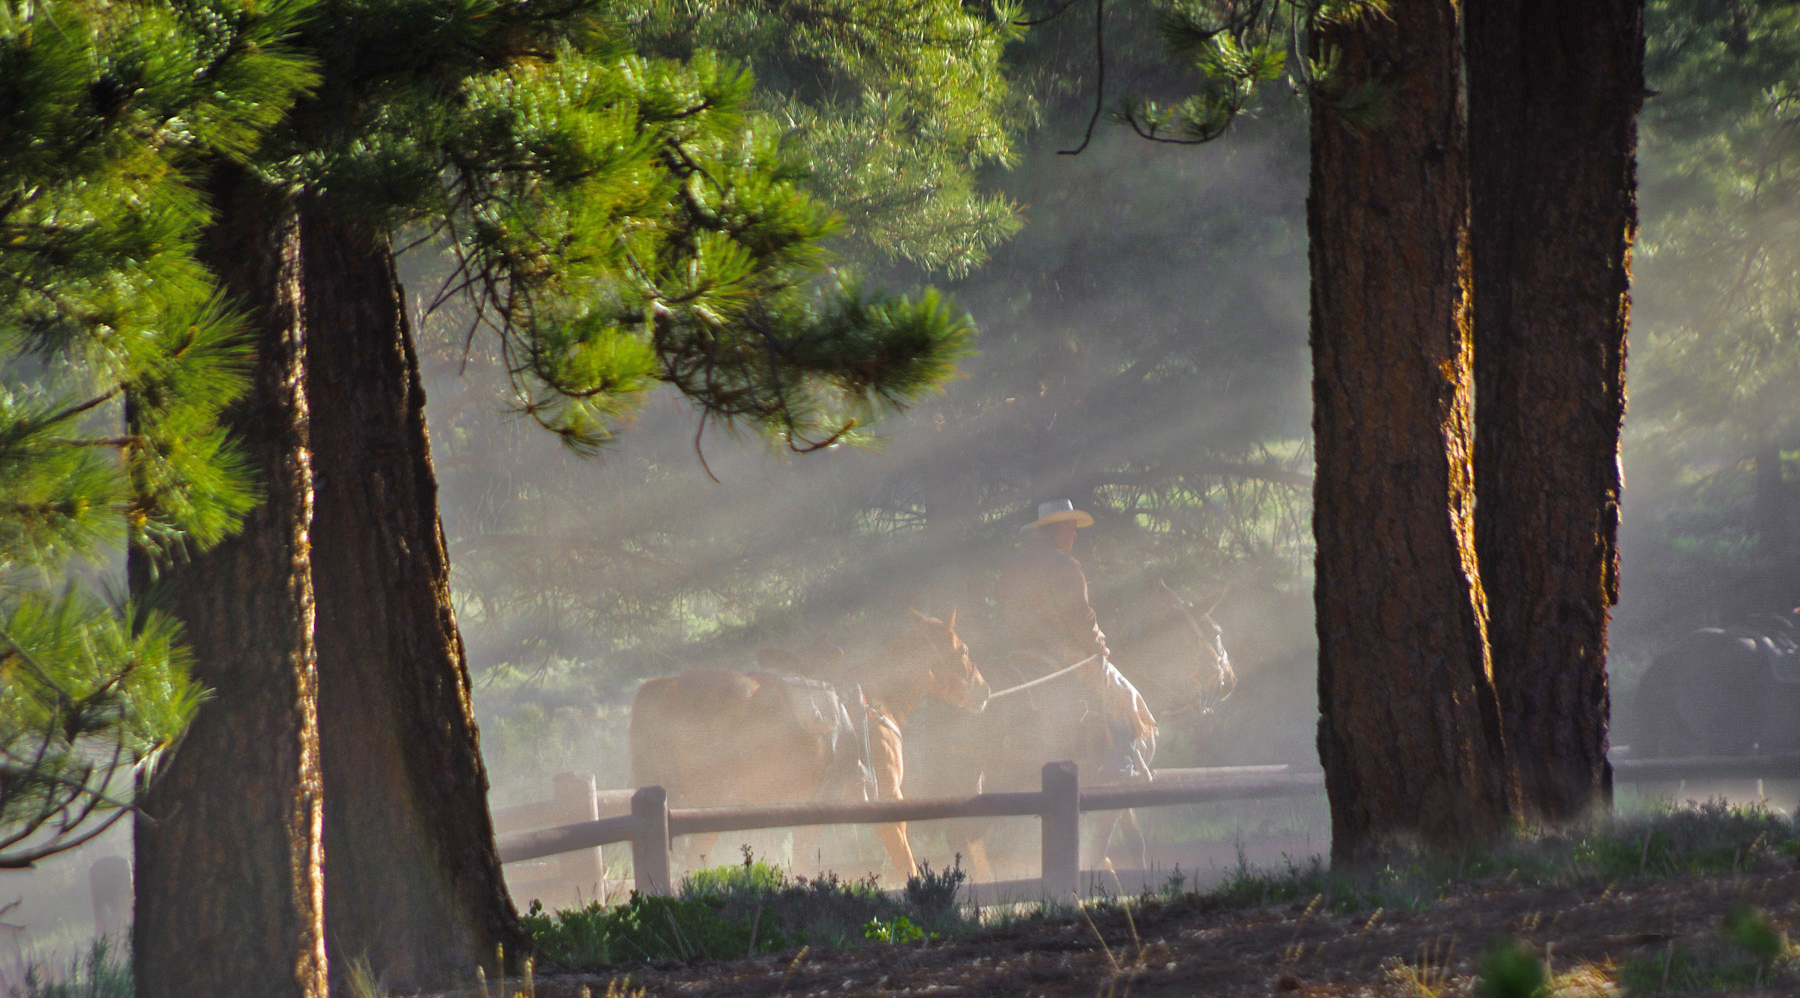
1212,676
954,678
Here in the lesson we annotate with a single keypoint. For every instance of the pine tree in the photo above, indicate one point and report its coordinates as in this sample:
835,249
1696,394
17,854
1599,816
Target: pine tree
1549,239
619,222
119,355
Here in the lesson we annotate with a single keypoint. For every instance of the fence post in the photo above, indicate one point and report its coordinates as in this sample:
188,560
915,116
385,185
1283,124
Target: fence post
1061,826
650,843
574,800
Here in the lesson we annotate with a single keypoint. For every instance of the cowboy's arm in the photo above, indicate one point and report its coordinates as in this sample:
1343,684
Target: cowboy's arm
1081,628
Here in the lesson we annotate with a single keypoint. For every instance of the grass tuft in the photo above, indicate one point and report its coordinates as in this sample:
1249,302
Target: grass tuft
103,972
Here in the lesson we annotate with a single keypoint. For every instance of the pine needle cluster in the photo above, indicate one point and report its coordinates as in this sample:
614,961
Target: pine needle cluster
118,356
895,108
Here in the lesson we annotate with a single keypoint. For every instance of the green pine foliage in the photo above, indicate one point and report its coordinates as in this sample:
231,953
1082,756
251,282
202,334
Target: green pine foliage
621,220
630,223
118,356
897,109
1232,50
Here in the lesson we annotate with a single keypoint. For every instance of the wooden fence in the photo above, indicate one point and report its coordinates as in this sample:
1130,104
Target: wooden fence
643,818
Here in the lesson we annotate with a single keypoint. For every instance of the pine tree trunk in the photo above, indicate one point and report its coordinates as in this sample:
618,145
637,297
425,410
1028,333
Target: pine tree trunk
228,863
1409,731
1554,90
413,880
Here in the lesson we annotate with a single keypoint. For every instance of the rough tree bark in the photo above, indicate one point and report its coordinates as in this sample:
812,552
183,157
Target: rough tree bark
1409,727
1554,90
229,875
413,878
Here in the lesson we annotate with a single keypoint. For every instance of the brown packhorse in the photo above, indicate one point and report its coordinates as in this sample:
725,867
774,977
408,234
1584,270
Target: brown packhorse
714,738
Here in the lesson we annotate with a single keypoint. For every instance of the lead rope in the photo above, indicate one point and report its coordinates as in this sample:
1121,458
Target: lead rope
1009,691
870,785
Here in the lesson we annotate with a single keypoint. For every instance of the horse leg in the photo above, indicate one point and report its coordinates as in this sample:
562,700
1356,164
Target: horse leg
1100,829
1131,839
980,868
890,770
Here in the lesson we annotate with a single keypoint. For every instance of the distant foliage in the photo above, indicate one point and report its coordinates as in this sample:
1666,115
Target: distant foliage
1715,423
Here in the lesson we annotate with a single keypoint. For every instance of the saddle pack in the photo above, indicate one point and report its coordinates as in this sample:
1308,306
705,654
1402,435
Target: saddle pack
813,704
816,707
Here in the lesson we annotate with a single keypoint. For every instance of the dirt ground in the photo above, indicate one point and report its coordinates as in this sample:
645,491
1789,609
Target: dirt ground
1178,949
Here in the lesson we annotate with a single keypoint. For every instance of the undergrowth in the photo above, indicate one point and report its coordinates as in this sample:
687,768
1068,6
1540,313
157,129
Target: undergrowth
754,907
1748,951
1707,838
743,910
103,972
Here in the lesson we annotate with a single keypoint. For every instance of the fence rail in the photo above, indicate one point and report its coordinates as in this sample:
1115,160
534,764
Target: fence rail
644,819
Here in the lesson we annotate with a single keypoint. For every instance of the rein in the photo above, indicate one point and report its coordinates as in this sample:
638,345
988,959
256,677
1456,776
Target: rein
1009,691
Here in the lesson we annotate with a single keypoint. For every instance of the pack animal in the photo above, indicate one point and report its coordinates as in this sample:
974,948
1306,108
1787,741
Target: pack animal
1723,691
1178,658
715,738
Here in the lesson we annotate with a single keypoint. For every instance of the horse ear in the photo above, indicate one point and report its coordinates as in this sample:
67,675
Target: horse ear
951,623
917,615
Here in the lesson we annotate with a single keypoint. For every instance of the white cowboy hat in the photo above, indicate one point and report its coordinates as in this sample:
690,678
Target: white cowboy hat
1057,511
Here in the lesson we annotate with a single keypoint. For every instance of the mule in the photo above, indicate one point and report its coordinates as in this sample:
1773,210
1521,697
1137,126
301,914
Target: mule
1178,658
714,738
1724,692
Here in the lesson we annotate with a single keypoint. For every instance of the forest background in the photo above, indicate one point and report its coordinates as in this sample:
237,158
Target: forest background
1143,353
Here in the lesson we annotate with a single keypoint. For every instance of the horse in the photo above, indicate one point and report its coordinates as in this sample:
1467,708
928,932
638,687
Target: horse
1006,747
714,738
1723,691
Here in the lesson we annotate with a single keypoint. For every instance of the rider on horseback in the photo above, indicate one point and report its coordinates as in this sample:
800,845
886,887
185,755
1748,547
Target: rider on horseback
1044,601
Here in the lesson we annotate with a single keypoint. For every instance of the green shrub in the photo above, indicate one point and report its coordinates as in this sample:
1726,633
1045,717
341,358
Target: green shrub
1511,969
933,895
752,907
648,928
751,878
898,931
